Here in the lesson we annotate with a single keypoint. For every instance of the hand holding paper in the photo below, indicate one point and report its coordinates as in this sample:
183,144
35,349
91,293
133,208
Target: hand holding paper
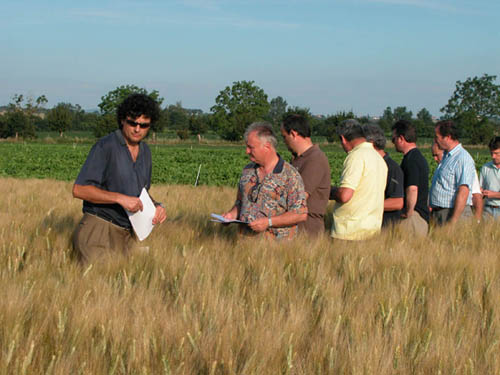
221,219
142,221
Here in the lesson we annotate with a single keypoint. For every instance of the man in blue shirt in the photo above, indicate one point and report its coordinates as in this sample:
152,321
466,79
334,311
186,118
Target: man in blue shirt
490,180
450,193
116,170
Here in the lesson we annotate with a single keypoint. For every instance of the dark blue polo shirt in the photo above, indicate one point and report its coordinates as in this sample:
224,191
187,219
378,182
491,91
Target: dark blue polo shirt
109,166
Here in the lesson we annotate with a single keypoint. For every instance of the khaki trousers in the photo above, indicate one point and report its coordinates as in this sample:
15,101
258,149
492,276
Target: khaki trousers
415,224
95,237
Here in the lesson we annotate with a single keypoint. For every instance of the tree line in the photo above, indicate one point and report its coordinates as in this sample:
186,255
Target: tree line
475,105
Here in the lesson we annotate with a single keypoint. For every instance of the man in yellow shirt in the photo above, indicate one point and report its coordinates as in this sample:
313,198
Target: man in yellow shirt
359,207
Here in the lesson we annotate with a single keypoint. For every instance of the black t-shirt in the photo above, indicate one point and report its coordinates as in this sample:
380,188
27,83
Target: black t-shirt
416,172
393,189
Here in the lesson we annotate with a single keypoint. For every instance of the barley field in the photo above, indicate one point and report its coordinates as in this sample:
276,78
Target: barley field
196,298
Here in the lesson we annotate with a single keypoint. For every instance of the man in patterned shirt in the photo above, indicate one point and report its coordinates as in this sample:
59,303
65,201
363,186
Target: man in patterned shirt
271,196
450,195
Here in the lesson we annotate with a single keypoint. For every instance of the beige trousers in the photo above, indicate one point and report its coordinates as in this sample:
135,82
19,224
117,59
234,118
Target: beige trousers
95,237
415,224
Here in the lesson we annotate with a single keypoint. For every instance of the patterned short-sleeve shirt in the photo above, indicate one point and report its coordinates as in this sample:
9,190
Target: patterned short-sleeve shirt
279,192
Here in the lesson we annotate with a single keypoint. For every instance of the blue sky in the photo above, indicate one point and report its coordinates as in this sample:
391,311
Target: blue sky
360,55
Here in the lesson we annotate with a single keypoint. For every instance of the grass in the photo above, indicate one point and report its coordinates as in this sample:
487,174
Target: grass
202,300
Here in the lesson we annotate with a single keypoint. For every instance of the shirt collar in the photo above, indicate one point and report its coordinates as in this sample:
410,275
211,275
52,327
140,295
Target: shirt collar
119,135
362,145
454,150
278,168
306,152
121,138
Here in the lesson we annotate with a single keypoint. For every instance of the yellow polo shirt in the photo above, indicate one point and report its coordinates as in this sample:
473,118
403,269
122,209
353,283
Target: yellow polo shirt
365,171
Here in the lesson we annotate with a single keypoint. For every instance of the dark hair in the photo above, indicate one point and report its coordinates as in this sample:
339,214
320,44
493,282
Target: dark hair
264,132
350,129
494,144
406,129
448,128
375,135
299,123
137,105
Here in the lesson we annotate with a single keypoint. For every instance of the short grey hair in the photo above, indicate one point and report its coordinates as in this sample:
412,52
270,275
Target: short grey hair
264,132
375,135
350,129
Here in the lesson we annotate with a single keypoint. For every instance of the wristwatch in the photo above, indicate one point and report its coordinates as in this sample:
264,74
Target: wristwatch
159,204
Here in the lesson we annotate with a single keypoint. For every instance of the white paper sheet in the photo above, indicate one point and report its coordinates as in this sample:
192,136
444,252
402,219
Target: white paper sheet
142,221
222,219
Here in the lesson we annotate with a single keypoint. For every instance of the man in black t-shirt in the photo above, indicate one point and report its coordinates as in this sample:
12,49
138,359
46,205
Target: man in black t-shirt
416,178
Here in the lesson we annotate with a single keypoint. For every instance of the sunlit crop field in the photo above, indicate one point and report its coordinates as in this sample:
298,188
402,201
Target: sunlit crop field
198,299
183,163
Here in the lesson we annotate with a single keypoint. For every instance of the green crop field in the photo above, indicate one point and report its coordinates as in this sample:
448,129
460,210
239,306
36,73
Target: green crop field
172,164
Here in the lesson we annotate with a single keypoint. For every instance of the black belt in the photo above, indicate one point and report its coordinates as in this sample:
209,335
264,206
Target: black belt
490,205
435,209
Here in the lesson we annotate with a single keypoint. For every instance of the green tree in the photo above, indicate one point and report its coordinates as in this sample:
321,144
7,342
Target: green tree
424,124
19,124
105,124
331,123
401,113
479,96
198,124
88,120
473,105
21,115
386,120
4,127
277,109
477,130
237,107
111,101
178,118
60,118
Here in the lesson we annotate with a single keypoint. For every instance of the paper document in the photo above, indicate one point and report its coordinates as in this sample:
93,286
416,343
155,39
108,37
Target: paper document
222,219
142,221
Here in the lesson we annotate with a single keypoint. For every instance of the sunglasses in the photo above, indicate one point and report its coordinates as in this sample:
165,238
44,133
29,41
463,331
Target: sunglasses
143,125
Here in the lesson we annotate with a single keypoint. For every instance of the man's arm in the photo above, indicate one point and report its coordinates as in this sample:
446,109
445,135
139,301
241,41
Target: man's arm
341,194
460,202
478,204
160,213
393,204
313,174
491,194
411,194
233,213
96,195
284,220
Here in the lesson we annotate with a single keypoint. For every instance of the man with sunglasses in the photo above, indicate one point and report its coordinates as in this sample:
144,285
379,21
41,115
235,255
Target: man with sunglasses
116,170
271,197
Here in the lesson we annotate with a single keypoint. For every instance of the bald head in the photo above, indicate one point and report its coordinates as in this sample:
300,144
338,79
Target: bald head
437,153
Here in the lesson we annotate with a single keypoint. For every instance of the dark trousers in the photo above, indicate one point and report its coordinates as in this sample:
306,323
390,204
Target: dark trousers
443,215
